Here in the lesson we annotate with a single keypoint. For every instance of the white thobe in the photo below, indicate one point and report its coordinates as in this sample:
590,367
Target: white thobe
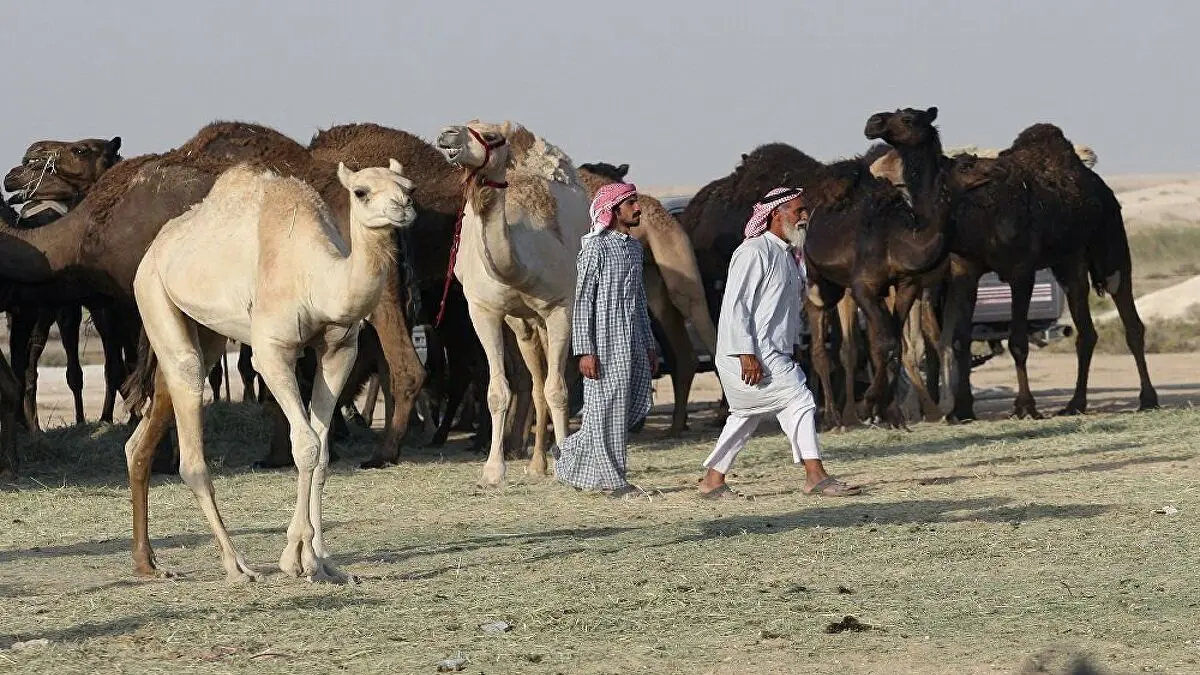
761,315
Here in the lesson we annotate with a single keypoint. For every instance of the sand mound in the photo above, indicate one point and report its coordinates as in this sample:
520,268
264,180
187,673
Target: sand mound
1178,301
1168,204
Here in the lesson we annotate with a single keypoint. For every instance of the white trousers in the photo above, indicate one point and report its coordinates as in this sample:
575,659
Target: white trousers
798,423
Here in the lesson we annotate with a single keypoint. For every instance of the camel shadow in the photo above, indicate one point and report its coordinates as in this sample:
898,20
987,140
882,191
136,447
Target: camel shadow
481,542
115,546
915,512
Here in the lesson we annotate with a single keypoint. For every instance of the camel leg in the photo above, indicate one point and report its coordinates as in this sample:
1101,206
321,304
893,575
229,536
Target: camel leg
847,312
882,346
678,342
334,364
139,457
104,319
1074,278
931,332
404,366
1018,343
371,398
558,353
529,342
490,329
1135,337
69,320
24,322
10,402
181,346
245,366
818,320
215,375
954,351
906,297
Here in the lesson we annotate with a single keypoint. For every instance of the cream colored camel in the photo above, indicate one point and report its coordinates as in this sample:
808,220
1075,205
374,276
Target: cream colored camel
526,213
674,289
261,261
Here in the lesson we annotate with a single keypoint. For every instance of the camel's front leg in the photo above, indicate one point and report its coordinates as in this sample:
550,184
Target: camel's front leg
334,364
276,363
489,326
558,352
529,342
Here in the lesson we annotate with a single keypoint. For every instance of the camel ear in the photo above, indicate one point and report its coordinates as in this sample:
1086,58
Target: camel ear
344,175
396,167
931,114
623,170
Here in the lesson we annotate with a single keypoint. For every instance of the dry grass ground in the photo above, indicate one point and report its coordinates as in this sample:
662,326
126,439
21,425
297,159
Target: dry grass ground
979,549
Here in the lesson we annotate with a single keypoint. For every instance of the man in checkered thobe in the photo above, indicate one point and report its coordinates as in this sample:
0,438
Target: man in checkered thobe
611,335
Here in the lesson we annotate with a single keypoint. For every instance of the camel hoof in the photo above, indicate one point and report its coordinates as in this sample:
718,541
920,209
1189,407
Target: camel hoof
242,577
153,573
328,574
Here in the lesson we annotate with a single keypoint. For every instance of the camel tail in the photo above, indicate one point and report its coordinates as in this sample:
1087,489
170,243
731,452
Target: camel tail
139,388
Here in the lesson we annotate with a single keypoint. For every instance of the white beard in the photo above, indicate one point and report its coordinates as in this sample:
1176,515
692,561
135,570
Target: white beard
795,234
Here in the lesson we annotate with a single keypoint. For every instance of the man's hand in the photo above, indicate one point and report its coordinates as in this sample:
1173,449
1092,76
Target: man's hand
589,366
752,372
652,358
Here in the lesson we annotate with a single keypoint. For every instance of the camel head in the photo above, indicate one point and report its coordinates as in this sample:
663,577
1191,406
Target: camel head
968,172
605,170
62,170
379,197
478,147
908,127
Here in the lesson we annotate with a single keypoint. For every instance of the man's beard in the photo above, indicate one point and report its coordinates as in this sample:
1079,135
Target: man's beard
796,233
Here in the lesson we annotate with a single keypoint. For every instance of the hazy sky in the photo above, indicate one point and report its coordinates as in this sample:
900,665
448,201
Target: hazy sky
676,90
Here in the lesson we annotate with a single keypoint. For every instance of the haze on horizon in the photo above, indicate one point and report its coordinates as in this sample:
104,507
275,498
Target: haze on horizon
677,91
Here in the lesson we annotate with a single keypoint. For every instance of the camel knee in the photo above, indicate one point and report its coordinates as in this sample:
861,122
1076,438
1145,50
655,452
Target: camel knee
499,396
306,449
555,393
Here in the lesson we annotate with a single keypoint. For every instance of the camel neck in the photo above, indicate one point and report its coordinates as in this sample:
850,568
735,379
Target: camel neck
38,254
368,262
499,254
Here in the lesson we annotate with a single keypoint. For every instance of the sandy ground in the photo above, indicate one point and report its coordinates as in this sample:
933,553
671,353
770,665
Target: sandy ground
1114,386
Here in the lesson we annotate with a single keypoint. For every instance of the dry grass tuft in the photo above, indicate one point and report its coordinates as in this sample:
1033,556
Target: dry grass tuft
979,549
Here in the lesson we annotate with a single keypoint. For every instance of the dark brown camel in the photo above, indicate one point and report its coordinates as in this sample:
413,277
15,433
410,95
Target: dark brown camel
1042,208
862,236
53,177
674,287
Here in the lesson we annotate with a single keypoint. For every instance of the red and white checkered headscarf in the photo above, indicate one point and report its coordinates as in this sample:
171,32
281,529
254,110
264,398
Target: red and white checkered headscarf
766,206
608,198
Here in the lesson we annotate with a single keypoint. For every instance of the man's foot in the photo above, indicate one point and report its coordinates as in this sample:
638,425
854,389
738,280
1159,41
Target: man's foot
721,492
832,487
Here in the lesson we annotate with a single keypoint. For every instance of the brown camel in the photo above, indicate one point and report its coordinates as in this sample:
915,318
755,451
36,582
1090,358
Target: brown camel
53,177
1043,208
124,211
674,288
862,237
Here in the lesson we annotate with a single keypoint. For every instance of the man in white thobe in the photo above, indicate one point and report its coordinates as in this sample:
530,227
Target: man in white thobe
758,347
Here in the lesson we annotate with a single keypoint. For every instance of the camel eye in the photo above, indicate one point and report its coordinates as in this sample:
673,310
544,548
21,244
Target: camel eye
361,193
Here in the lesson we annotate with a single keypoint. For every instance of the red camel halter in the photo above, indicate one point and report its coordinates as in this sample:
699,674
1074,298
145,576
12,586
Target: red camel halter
487,156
